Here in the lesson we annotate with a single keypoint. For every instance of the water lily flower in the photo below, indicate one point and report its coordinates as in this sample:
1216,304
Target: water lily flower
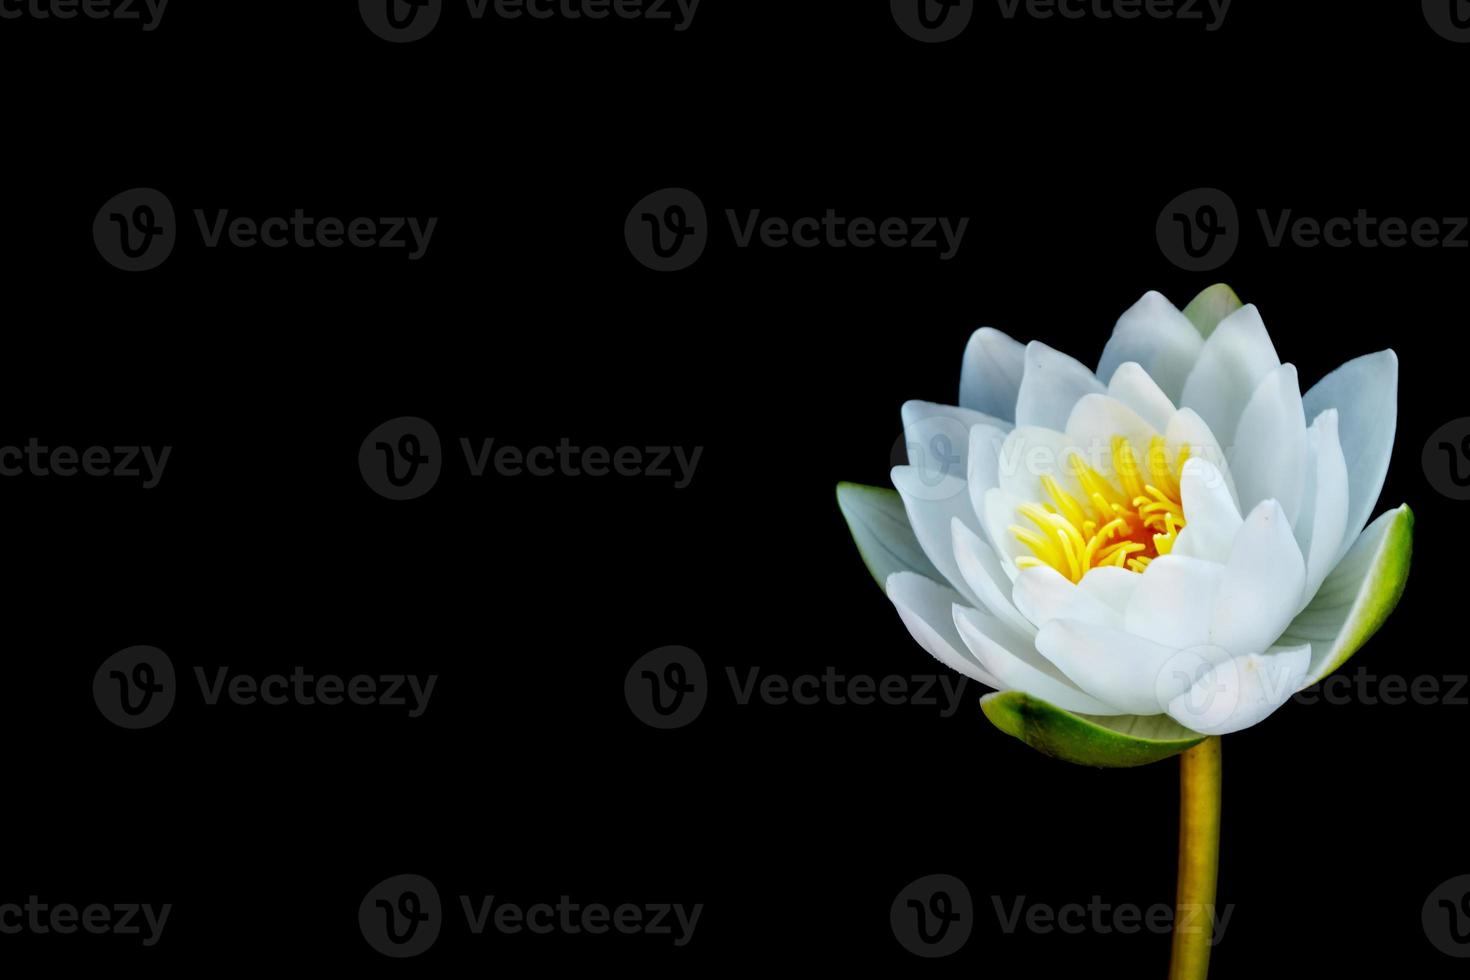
1145,557
1140,556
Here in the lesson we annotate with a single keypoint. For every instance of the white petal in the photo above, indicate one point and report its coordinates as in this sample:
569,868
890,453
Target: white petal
1262,585
1173,605
1043,594
991,376
937,437
1186,428
987,579
1109,664
1241,691
1211,519
1270,455
1000,514
930,510
927,609
1157,336
1052,384
1365,393
1132,386
1095,420
1114,586
1234,360
1030,453
1357,595
1319,531
984,472
1016,665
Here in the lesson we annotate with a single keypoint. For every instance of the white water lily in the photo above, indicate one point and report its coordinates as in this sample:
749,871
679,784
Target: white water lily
1138,557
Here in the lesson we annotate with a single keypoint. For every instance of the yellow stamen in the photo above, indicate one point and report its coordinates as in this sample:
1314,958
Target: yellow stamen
1125,524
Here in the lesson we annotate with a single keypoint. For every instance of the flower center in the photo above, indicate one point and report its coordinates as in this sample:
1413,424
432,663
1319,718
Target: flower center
1126,526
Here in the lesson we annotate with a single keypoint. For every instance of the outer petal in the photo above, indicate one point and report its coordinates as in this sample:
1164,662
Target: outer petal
1111,665
1112,742
1241,691
1358,595
927,609
1321,527
1235,359
937,437
1270,455
880,529
1262,585
991,375
1052,384
1012,660
930,510
987,579
1365,393
1157,336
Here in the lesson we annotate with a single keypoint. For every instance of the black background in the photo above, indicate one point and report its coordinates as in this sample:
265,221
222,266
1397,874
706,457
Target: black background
528,777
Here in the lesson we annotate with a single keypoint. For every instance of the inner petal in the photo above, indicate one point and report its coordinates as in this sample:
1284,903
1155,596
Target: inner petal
1124,522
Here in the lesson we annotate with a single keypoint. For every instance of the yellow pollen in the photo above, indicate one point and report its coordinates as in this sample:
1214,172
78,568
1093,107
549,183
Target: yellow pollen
1125,524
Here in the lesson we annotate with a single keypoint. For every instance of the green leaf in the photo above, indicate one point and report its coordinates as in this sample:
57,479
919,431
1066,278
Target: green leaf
1207,309
1356,598
1087,740
880,528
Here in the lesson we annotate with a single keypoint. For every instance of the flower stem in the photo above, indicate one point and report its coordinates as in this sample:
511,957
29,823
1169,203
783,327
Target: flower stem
1199,860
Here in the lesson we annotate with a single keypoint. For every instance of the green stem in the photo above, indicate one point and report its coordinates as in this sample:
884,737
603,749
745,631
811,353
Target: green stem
1199,860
